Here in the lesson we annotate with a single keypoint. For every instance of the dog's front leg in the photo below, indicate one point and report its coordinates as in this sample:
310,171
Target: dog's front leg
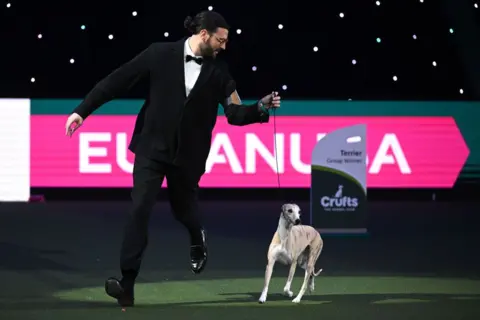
268,276
291,273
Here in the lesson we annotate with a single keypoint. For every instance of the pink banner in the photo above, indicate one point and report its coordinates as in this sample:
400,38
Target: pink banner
402,152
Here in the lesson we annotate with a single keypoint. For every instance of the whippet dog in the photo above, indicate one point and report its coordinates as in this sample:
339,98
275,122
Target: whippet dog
293,244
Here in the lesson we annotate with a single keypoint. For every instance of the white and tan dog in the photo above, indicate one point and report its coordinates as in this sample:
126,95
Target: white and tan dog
293,244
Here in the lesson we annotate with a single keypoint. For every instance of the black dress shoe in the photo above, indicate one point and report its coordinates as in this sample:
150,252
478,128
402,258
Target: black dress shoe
199,254
120,291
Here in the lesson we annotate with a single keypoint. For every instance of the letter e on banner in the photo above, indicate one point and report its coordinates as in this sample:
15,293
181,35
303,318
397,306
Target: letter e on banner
87,151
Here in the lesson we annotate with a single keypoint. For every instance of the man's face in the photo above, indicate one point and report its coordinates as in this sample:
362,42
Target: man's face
213,43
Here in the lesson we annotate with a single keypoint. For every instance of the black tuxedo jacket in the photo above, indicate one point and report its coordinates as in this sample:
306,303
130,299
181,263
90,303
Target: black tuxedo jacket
171,127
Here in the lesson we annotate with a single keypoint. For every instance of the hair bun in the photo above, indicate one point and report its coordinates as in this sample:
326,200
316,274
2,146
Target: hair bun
188,23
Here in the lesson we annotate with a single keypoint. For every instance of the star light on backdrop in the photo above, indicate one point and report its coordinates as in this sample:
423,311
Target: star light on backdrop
348,50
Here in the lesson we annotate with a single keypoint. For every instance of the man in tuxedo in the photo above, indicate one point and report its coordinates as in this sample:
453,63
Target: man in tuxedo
172,134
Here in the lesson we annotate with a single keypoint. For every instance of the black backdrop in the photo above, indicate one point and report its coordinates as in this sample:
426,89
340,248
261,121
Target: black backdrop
411,36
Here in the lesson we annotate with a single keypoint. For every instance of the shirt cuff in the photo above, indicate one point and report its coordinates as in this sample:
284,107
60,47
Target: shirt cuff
261,107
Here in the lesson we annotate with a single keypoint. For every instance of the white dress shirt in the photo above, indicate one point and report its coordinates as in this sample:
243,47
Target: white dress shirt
192,69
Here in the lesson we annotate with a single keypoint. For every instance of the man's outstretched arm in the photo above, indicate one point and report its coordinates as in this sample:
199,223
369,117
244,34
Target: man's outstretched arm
116,83
239,114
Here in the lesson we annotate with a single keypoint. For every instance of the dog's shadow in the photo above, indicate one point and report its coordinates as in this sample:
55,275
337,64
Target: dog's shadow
254,296
364,299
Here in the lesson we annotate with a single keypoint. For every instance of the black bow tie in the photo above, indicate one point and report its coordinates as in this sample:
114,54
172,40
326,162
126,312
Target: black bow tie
198,60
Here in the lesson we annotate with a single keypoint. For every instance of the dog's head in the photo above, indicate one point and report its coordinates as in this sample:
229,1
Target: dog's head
291,213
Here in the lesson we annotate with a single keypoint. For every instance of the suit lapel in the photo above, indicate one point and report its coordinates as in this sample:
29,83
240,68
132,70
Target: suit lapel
178,65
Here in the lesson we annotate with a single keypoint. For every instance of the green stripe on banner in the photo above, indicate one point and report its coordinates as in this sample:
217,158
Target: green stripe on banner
292,108
466,114
340,173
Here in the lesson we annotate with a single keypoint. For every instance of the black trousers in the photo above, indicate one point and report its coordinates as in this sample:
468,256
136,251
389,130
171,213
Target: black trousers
148,176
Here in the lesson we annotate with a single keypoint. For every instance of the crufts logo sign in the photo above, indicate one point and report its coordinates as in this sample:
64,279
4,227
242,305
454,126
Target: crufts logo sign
339,202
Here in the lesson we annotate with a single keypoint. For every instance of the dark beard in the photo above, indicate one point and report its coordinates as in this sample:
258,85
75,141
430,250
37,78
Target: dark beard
207,51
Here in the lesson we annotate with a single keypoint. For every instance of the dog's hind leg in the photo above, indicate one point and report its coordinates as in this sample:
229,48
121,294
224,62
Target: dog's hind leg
291,273
268,276
311,282
314,253
300,294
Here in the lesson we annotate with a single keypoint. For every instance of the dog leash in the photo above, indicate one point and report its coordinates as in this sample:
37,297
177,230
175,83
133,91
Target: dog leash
280,191
275,148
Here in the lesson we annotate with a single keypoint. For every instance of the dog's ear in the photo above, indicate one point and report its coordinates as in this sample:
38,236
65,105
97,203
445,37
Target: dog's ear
283,207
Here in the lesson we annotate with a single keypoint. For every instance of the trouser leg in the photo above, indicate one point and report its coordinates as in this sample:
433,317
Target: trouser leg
183,197
148,176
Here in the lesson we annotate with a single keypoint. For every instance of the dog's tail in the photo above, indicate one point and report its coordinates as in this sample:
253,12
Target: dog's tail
315,274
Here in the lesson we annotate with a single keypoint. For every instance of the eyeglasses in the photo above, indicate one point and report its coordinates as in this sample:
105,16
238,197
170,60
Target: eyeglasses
221,41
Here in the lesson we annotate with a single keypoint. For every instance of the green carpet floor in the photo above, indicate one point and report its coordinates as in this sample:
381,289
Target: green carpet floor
56,257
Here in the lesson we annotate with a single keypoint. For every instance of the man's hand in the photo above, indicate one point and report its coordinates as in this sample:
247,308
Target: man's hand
271,101
74,122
